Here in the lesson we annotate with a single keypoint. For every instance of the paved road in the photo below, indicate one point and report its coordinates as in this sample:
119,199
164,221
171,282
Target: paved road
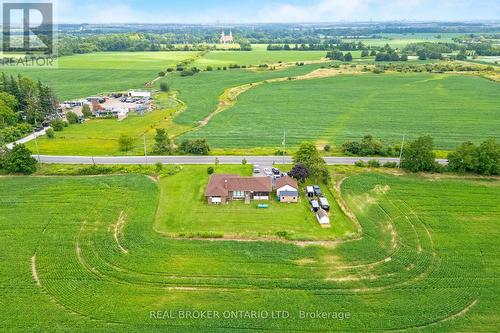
28,138
201,160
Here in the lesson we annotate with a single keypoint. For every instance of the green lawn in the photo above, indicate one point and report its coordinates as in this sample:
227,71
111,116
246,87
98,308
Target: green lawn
81,254
84,75
450,108
184,211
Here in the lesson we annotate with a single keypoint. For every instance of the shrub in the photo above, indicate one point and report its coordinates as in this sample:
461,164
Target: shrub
360,164
126,142
158,167
195,147
164,87
244,161
162,74
210,170
391,165
50,133
72,117
327,148
95,170
374,164
19,160
57,125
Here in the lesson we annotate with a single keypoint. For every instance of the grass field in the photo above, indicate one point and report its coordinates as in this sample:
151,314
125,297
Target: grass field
100,136
80,254
333,110
399,41
183,211
85,75
259,55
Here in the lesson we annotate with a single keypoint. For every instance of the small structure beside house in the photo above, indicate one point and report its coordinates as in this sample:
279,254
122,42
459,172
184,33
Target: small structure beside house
287,190
225,188
323,218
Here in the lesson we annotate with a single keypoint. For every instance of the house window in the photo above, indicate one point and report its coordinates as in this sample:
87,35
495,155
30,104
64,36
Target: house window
238,194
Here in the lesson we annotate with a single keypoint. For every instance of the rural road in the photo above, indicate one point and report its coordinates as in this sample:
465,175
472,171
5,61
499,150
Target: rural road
201,160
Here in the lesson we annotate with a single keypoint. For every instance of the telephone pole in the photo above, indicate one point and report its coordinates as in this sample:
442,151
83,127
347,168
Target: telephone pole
145,148
401,152
284,146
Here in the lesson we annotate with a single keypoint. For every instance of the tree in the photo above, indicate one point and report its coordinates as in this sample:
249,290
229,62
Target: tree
72,117
57,125
489,158
87,113
163,145
419,155
310,157
195,147
210,170
464,159
348,57
50,133
327,148
19,160
126,142
365,53
7,115
164,87
299,172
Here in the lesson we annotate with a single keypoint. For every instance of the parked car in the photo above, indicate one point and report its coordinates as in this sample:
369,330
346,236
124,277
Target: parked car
314,205
256,169
310,191
268,172
276,171
317,191
324,204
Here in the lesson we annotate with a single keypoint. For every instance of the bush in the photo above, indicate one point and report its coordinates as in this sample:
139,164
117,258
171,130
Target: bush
57,125
244,161
95,170
164,87
210,170
391,165
158,167
327,148
195,147
19,160
374,164
50,133
72,117
360,164
87,113
162,74
126,142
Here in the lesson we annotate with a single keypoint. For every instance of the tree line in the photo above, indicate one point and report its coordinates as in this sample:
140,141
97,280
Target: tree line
24,103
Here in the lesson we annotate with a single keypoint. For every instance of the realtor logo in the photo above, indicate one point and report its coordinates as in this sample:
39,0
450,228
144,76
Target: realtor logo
28,28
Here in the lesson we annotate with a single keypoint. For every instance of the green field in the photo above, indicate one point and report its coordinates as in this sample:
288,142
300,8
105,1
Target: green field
85,75
450,108
80,254
183,211
259,55
399,41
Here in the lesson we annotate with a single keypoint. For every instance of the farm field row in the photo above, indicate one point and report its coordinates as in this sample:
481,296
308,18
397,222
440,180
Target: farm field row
336,109
69,257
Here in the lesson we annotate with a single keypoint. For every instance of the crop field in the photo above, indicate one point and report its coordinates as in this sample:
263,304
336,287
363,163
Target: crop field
259,55
336,109
399,41
83,253
183,211
84,75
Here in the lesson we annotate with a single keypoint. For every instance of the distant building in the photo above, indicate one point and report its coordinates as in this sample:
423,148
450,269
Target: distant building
227,39
139,94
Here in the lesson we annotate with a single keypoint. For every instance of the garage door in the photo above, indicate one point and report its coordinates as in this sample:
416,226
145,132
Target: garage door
216,200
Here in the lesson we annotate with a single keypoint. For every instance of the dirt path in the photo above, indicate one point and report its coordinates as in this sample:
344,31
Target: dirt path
34,272
118,231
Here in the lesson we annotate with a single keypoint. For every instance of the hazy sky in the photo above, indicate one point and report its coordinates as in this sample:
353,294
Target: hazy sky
247,11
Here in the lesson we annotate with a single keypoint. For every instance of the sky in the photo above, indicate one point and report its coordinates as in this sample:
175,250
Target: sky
273,11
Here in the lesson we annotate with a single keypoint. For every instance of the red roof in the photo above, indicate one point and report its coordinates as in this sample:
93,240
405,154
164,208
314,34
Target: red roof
287,181
221,185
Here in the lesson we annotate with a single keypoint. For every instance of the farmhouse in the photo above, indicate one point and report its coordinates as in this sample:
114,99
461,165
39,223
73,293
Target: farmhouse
224,188
287,189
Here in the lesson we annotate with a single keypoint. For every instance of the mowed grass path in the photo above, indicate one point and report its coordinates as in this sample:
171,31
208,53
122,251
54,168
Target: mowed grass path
84,75
452,109
80,253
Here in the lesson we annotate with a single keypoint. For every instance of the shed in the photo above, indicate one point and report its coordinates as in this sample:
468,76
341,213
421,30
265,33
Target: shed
323,218
287,189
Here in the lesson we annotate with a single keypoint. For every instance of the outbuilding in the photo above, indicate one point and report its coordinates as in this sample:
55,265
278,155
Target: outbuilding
323,218
287,190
